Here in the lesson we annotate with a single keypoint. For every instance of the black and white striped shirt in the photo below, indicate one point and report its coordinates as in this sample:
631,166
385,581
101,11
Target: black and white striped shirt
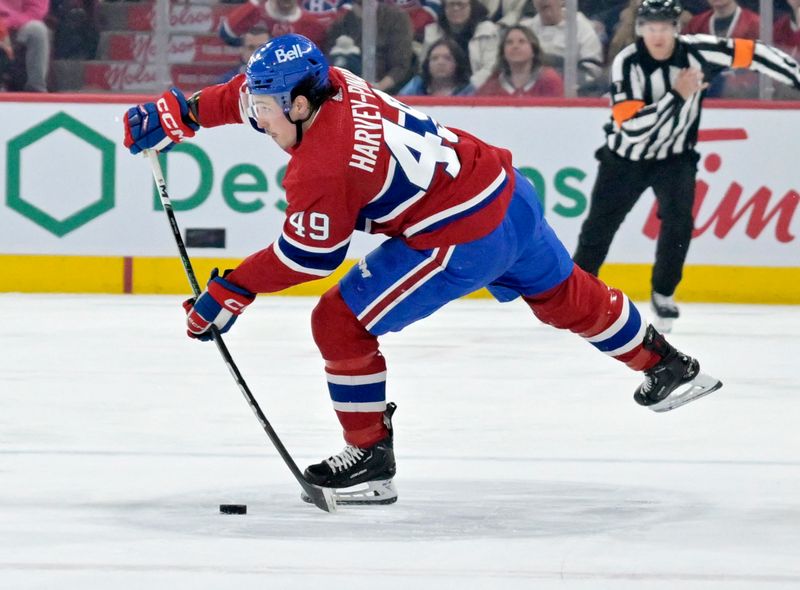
652,121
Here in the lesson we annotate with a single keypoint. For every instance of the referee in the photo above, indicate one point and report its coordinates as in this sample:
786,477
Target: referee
657,90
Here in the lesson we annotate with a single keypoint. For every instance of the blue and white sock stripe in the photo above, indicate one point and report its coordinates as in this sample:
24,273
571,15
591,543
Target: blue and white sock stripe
358,393
625,334
460,210
310,259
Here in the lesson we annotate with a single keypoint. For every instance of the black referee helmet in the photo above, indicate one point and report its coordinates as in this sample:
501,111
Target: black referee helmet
659,10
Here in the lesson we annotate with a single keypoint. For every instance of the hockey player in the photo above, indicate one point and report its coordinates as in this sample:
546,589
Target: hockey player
458,215
657,88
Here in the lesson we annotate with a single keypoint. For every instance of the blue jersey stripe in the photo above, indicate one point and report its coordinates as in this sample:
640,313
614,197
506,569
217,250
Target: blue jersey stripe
400,188
625,334
373,392
467,212
318,260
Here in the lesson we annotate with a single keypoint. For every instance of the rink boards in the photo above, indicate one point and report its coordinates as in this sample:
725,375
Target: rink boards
80,214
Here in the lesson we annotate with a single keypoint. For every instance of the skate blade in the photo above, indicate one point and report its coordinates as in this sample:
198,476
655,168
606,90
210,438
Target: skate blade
372,492
698,387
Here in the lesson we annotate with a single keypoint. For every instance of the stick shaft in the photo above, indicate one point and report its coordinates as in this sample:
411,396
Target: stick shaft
161,184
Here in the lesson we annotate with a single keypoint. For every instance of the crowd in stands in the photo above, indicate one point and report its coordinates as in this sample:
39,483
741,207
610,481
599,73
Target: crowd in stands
424,47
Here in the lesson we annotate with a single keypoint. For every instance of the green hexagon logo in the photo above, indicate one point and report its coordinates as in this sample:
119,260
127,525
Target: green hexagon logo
73,219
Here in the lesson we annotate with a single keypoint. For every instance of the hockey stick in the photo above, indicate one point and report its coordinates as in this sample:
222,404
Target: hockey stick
322,497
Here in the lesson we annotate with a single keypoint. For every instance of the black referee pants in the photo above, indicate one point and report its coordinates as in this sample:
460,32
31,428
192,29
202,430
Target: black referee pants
619,185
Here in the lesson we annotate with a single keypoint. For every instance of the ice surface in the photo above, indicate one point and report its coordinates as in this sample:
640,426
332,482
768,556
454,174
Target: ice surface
522,460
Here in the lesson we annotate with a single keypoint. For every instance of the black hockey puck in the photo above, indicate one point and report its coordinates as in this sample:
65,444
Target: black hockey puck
233,508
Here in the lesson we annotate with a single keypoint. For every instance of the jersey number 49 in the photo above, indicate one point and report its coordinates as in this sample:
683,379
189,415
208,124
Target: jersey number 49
416,142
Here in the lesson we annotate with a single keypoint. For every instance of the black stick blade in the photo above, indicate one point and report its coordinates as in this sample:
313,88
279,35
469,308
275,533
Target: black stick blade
321,497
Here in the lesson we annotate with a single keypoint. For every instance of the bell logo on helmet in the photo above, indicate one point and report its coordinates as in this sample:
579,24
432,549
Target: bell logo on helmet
282,56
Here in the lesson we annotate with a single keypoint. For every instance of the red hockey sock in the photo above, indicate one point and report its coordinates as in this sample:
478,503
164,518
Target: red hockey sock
354,368
604,316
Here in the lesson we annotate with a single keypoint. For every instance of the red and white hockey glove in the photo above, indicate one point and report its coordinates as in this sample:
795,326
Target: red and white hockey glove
219,305
159,125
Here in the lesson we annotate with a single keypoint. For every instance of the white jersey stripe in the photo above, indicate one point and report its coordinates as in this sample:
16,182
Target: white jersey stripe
400,208
388,182
428,221
315,249
295,266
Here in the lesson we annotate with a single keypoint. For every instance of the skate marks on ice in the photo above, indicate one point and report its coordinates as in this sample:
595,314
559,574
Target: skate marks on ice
426,510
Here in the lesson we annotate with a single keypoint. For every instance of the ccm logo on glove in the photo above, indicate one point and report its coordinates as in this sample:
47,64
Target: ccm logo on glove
219,305
168,106
159,125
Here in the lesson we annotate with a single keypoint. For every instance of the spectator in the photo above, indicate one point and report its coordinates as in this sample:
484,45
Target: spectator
25,22
325,11
6,52
279,17
550,27
421,12
393,53
346,54
75,33
252,40
625,32
519,70
696,6
465,22
445,72
727,19
786,36
604,15
786,33
507,12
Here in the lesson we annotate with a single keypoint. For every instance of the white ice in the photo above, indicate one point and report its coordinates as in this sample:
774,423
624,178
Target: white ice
523,462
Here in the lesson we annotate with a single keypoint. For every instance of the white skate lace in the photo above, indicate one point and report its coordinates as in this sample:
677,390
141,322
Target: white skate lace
345,459
648,384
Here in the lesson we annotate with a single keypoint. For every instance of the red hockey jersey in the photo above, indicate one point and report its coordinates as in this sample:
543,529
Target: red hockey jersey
370,163
245,16
786,35
745,25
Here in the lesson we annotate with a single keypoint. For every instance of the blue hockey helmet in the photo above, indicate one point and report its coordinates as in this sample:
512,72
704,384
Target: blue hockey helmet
287,66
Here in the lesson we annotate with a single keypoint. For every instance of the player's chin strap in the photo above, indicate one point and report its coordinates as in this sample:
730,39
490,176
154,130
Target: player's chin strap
298,125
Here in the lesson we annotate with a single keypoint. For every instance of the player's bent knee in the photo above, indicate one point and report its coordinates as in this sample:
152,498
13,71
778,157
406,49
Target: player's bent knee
324,317
582,303
337,332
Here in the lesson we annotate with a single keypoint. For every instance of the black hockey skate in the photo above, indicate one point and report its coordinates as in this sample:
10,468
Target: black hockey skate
665,310
675,380
359,476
